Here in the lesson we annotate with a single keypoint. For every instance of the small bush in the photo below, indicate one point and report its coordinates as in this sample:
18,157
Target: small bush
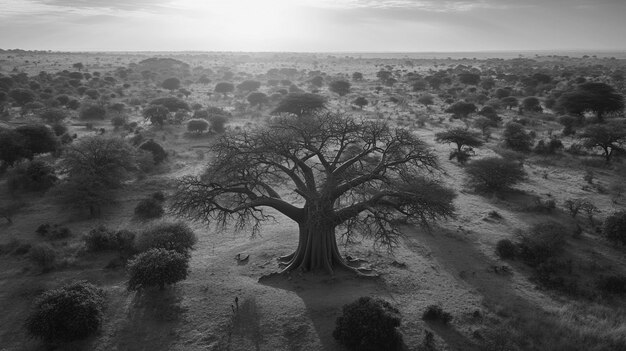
506,249
157,267
171,236
32,176
102,239
197,125
436,313
494,173
613,284
158,153
516,137
544,240
44,256
69,313
148,209
368,325
53,232
615,227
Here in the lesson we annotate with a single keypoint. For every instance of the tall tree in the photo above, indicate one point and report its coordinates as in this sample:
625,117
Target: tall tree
599,98
359,176
610,138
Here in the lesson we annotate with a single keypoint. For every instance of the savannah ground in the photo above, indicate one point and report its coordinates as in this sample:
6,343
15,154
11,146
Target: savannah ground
495,304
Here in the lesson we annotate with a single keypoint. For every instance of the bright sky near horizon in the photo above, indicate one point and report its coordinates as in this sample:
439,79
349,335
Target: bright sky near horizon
312,25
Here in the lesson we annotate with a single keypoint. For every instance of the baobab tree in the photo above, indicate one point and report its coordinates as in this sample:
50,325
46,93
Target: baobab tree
358,176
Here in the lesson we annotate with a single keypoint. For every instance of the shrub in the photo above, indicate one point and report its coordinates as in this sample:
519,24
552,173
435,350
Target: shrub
171,236
218,123
88,112
506,249
101,239
544,241
159,196
615,227
12,147
44,256
157,267
69,313
516,137
118,121
32,176
148,209
494,173
158,153
172,104
613,284
197,125
436,313
368,325
38,138
52,115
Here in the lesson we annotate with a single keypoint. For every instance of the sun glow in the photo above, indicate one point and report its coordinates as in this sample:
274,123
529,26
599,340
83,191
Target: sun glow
250,24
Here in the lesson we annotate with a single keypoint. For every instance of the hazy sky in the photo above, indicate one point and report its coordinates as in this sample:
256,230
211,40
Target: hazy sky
313,25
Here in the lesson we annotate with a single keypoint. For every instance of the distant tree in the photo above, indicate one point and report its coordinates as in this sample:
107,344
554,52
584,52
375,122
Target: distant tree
509,102
615,227
484,124
157,151
426,100
488,83
197,125
218,123
383,75
52,115
224,88
516,137
171,84
79,66
494,173
156,114
461,109
502,93
464,140
93,167
599,98
340,87
360,102
609,137
185,92
92,94
419,85
91,111
531,104
204,80
468,78
370,176
300,104
22,96
172,103
357,76
12,147
317,81
249,86
257,99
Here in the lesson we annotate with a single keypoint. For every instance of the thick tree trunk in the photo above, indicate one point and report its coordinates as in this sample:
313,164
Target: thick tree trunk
317,245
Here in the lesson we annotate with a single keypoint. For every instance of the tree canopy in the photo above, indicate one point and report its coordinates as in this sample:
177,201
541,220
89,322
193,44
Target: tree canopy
300,104
360,176
599,98
609,138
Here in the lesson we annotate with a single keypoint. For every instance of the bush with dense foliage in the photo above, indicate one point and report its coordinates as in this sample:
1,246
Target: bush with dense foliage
157,267
35,175
171,236
38,139
156,114
369,325
494,173
52,115
102,238
157,151
516,138
300,104
149,209
543,241
461,109
88,112
54,231
197,125
68,313
615,227
172,104
94,167
12,147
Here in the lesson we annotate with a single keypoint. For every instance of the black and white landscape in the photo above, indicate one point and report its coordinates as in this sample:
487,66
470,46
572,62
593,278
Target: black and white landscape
312,175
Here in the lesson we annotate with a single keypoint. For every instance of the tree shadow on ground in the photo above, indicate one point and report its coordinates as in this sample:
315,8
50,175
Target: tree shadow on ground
152,320
324,296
